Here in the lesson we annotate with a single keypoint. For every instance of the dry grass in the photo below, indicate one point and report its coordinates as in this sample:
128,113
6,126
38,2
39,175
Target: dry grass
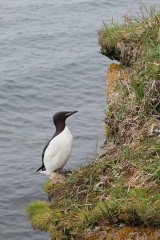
122,184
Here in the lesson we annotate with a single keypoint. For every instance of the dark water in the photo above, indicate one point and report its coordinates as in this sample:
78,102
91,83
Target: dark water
49,61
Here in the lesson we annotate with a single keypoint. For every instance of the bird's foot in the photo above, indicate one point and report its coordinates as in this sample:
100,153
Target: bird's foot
57,177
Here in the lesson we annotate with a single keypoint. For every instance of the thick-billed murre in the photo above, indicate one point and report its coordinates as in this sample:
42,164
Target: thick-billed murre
58,150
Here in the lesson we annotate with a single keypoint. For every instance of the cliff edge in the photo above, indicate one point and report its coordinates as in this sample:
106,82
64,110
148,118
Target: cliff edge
117,195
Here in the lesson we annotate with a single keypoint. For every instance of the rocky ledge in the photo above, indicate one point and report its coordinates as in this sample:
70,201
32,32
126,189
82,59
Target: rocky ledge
117,194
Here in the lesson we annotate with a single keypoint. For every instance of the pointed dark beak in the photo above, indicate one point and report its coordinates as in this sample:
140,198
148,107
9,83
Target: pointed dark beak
74,112
71,113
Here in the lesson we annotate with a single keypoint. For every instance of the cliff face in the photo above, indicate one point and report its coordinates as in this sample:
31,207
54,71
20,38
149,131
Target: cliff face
117,195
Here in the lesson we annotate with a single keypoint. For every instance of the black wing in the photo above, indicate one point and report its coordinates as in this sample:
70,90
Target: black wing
43,167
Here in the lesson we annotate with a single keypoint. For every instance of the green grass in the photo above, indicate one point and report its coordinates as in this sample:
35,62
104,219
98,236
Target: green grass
138,30
121,185
39,214
120,188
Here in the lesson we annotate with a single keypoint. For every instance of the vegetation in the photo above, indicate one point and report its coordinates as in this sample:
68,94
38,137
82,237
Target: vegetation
120,186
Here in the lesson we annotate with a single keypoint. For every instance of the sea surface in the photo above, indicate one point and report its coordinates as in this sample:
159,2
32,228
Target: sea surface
49,61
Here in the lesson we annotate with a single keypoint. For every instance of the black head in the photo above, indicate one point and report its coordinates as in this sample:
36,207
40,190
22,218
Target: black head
60,117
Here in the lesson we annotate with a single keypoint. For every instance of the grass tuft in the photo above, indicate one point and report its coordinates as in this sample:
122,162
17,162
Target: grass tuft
121,185
39,214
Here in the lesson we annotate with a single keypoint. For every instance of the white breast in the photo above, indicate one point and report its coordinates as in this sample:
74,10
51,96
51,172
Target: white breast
58,151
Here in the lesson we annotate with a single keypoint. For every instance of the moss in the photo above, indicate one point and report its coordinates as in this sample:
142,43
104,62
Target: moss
111,189
39,214
121,185
127,42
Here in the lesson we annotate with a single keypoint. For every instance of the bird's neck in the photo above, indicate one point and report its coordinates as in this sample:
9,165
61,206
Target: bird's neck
59,128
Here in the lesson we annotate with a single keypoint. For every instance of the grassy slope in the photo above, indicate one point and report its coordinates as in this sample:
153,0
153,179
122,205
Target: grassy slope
122,184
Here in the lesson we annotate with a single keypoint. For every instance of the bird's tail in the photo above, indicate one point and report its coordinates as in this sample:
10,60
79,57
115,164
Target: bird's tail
42,171
39,169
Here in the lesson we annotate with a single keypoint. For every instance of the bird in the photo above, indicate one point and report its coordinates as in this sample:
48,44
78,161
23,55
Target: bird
57,151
